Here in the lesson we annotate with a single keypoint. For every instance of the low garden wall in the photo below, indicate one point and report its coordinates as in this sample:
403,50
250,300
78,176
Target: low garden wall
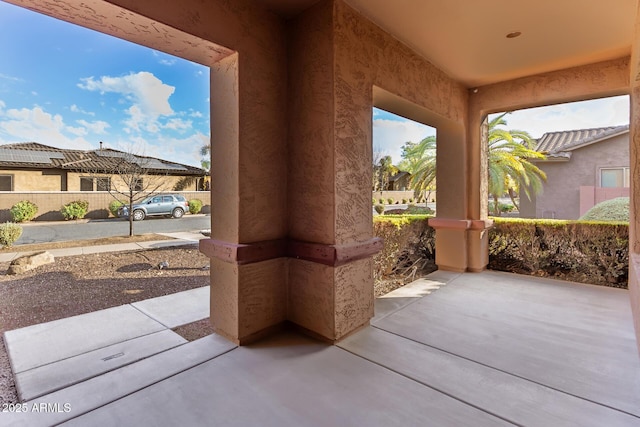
579,251
588,252
50,202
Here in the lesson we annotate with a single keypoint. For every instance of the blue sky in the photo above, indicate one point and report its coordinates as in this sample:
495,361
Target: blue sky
70,87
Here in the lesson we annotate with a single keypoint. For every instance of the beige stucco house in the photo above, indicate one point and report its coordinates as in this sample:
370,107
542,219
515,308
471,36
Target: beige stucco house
293,84
37,167
583,167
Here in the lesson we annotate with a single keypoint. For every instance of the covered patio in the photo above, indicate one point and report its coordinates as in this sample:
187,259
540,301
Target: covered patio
450,350
293,84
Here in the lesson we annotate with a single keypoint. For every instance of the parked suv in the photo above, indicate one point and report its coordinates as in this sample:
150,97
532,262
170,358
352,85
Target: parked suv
163,204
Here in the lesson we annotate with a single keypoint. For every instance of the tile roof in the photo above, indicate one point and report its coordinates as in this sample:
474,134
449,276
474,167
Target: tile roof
35,155
560,144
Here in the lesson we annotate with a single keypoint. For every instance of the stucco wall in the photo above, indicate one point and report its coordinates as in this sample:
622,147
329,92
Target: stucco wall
25,180
337,60
561,195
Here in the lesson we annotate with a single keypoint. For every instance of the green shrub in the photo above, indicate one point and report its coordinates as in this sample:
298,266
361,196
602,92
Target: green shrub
114,206
373,201
9,233
407,239
75,210
195,206
502,207
404,201
24,211
379,208
418,210
580,251
390,201
610,210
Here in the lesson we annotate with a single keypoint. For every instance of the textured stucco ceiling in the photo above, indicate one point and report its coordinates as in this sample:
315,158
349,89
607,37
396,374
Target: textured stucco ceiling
466,38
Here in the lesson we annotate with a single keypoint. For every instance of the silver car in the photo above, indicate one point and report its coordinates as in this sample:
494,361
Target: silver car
163,204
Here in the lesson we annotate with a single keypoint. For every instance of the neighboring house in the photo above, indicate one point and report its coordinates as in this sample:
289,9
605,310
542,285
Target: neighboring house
583,167
399,182
32,166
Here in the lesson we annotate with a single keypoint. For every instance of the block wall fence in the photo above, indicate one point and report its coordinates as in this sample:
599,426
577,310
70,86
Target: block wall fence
50,202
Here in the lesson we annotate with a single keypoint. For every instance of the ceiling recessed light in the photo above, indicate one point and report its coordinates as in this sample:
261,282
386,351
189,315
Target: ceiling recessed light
514,34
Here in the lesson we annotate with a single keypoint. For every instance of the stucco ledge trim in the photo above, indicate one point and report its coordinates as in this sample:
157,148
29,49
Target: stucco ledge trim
460,224
449,224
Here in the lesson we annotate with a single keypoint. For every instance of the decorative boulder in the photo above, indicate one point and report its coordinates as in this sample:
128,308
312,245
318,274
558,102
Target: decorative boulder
29,262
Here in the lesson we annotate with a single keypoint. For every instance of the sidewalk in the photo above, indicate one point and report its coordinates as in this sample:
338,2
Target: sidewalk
178,239
54,355
49,356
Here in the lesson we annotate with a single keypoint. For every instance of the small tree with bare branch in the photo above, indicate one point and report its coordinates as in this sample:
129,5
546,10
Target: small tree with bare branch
133,173
134,181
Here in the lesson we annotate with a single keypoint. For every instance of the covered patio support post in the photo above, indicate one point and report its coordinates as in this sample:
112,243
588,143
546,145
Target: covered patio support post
634,162
248,271
451,223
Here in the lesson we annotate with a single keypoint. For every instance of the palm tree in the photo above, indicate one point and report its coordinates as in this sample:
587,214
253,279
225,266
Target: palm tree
420,161
382,171
510,168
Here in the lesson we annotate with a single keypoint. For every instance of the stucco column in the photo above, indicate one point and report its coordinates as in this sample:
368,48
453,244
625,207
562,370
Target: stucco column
634,205
248,231
451,223
634,199
330,292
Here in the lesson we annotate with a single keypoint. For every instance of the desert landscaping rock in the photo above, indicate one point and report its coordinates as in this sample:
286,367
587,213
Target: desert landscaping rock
29,262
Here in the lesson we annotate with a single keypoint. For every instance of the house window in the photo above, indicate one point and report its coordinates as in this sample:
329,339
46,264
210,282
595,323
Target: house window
86,184
103,184
614,177
6,182
138,185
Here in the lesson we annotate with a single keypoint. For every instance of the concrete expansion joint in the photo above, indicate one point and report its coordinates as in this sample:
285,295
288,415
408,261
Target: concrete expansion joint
331,255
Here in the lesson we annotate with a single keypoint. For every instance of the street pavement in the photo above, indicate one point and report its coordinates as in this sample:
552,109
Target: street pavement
60,231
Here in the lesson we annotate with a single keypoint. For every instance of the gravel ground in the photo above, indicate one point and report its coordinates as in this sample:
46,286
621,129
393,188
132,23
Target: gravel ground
82,284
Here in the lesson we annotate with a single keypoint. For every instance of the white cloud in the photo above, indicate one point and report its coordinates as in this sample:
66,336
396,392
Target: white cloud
24,125
578,115
390,135
168,62
75,109
79,131
180,150
178,124
148,96
7,77
196,114
97,127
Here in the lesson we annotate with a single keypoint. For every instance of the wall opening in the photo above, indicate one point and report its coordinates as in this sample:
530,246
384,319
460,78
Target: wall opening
404,181
585,147
129,87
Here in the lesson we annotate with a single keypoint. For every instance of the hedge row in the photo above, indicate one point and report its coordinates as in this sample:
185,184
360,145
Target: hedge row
587,252
406,237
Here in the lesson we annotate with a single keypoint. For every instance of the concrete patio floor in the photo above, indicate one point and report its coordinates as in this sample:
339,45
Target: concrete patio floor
481,349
